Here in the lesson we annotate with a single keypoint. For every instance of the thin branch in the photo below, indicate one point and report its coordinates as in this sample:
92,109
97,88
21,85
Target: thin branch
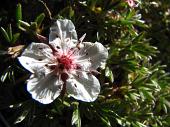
47,9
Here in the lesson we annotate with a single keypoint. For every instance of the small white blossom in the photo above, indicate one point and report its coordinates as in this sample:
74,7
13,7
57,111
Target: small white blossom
64,65
132,3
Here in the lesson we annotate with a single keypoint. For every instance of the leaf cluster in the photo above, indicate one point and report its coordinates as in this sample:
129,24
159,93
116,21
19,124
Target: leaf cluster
135,89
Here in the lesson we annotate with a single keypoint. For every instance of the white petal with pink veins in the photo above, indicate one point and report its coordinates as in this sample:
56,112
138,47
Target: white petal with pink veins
32,64
62,29
83,86
56,43
96,53
37,51
44,89
62,45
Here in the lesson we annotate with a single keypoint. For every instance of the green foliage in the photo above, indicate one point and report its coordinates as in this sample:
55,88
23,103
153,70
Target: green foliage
157,15
18,13
135,87
34,27
8,35
76,119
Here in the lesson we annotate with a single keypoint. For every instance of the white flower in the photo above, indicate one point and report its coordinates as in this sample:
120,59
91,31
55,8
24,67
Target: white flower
132,3
64,65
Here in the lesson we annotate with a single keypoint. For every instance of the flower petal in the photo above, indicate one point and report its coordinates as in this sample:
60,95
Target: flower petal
83,86
62,29
44,89
33,65
96,53
62,45
37,51
56,43
35,56
131,3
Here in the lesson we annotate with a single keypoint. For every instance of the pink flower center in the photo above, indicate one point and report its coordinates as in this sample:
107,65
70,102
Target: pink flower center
66,62
63,63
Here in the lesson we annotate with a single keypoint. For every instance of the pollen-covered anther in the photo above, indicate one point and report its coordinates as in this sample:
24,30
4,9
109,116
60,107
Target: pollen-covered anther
78,45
